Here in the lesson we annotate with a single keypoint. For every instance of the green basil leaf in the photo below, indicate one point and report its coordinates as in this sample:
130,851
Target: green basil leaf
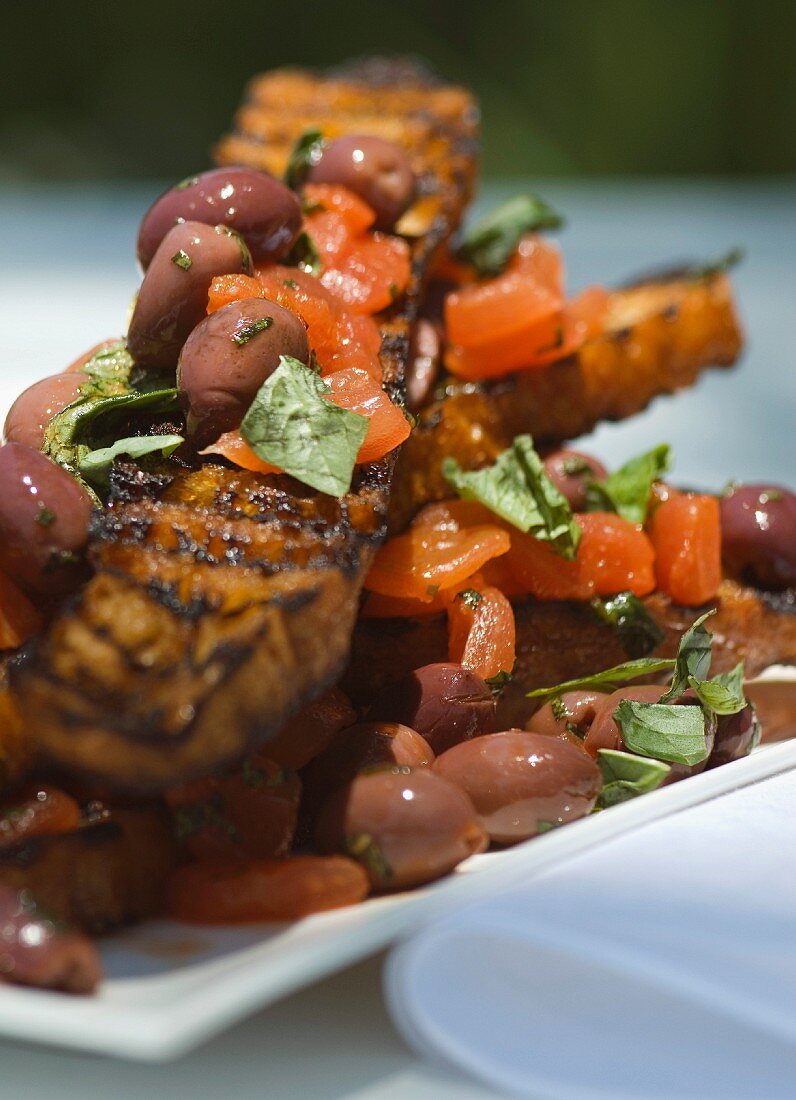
490,243
675,734
518,490
292,425
627,490
305,255
635,627
693,657
627,775
108,369
96,465
722,694
611,678
306,153
704,272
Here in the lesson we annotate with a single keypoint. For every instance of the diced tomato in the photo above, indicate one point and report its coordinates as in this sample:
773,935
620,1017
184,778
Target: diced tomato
480,316
541,261
354,211
265,890
615,555
250,813
37,810
233,446
686,533
481,630
370,273
455,515
423,560
19,619
581,319
355,390
232,288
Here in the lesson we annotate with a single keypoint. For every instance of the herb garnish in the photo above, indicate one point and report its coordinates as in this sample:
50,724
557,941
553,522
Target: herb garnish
96,465
365,850
693,657
243,333
636,629
305,255
627,490
182,259
490,243
610,678
45,517
518,490
498,682
189,181
626,775
305,154
292,424
671,733
471,596
704,272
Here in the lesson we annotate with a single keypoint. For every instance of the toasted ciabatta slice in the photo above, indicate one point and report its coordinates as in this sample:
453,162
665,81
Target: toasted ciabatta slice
224,600
660,336
558,641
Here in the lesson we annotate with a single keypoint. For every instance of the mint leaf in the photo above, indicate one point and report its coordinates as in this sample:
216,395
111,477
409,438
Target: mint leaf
96,465
490,243
635,627
672,733
723,694
292,425
627,490
610,678
305,154
518,490
693,657
627,775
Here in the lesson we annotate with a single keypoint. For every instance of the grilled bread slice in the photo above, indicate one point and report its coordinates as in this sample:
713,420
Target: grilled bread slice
558,641
222,600
660,336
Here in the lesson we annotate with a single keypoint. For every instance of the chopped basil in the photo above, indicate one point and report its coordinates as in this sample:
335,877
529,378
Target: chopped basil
471,596
610,678
723,694
518,490
305,154
675,734
627,490
363,848
704,272
499,681
96,465
292,424
45,517
189,181
490,243
243,333
182,259
305,255
547,826
576,464
693,657
291,284
559,709
635,627
246,257
626,775
108,369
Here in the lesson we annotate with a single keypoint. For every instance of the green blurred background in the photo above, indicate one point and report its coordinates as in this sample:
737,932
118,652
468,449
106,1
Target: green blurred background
611,87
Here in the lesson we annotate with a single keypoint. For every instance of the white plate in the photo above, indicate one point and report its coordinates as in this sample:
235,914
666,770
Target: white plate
171,986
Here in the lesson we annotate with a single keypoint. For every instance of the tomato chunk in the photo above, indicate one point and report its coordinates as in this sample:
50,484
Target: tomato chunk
615,555
233,446
423,560
265,890
481,629
38,810
686,533
581,319
354,211
355,390
19,619
232,288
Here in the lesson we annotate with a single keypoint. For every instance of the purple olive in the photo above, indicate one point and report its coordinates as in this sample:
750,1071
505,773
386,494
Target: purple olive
227,358
736,736
44,514
36,951
173,296
424,360
264,211
375,169
571,472
758,535
521,783
35,407
367,745
405,826
444,702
